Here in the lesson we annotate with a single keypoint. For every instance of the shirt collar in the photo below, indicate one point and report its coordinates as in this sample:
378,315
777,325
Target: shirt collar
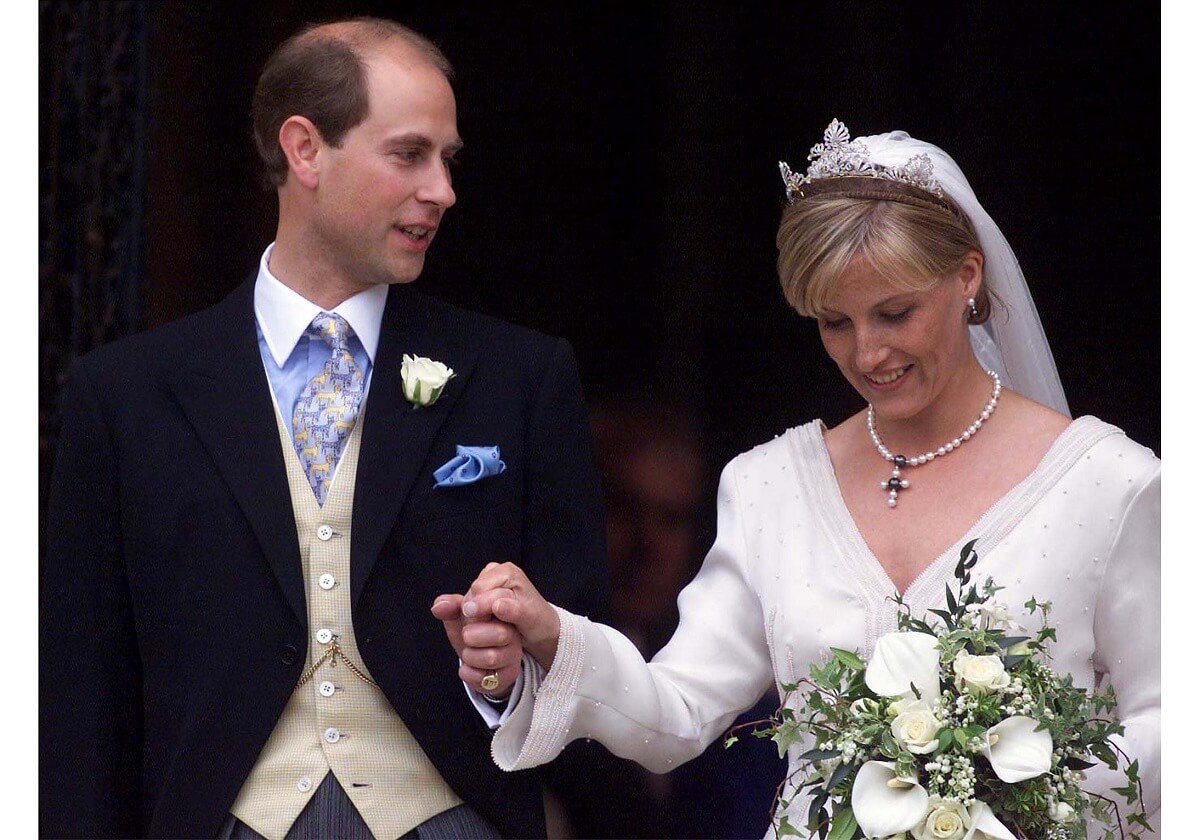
283,314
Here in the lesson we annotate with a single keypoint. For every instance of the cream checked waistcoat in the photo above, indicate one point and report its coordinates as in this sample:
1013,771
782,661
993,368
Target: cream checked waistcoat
336,720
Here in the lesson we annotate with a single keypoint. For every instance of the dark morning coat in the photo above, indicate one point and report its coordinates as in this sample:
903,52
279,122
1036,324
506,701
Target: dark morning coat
173,625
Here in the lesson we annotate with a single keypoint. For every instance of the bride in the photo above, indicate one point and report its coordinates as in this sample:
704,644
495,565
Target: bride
921,303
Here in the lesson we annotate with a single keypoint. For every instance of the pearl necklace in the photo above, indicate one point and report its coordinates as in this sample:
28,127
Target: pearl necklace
895,484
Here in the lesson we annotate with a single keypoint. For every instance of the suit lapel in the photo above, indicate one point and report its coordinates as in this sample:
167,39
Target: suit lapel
396,436
224,392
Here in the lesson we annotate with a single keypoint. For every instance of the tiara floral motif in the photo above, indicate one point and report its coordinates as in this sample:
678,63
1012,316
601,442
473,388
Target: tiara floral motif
839,157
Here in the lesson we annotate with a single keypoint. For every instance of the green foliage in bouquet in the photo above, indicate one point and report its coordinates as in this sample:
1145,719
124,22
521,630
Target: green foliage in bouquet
956,730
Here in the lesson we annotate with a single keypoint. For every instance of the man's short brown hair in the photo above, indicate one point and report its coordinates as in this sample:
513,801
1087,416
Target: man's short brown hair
320,73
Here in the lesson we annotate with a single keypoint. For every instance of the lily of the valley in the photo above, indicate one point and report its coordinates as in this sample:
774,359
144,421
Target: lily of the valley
885,804
903,660
1017,750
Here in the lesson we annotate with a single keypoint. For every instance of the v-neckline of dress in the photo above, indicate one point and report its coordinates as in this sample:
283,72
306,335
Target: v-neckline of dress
993,525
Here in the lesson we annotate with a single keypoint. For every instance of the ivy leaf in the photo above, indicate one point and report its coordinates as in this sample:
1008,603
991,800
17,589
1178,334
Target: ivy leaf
730,741
1104,753
1129,791
785,735
1139,818
849,659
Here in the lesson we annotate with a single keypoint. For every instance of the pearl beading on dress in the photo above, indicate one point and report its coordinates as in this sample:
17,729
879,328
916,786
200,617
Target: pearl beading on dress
895,484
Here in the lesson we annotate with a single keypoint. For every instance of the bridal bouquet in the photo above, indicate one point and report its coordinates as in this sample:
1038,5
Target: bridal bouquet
954,730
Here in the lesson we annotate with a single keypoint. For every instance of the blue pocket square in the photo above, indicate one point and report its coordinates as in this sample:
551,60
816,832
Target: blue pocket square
469,465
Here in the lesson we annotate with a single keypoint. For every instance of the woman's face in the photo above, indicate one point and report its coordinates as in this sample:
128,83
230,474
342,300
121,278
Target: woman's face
899,349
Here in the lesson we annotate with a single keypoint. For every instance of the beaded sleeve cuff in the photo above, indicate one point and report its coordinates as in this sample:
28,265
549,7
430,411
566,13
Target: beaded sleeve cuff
539,726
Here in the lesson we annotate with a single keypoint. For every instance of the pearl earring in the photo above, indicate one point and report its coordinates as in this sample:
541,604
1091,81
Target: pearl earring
971,308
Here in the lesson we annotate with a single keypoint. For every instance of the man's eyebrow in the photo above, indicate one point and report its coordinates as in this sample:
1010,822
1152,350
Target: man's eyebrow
420,141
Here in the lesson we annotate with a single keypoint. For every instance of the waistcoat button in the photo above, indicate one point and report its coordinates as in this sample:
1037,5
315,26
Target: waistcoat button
290,655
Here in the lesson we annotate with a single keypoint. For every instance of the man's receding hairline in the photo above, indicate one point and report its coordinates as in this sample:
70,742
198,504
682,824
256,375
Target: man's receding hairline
366,40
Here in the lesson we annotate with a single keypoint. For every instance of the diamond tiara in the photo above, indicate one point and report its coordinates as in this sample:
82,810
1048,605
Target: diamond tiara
839,157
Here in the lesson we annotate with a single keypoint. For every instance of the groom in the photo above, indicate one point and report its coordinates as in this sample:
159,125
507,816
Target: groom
246,530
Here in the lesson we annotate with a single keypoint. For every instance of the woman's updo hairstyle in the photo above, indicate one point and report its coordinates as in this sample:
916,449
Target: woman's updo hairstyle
913,246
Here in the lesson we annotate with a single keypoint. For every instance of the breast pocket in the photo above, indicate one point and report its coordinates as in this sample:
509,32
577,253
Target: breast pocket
491,529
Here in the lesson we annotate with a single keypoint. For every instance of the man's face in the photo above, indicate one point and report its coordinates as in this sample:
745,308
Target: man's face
382,193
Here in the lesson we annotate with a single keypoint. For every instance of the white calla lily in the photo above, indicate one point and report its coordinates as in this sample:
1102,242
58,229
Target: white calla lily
902,660
1017,750
985,826
884,803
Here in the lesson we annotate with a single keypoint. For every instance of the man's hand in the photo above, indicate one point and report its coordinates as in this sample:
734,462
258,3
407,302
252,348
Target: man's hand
484,645
503,591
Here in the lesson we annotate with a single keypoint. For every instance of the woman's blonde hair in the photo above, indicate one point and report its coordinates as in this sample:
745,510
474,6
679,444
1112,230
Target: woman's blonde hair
914,247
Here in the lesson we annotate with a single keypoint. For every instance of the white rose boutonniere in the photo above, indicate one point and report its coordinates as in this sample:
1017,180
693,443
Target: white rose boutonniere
424,379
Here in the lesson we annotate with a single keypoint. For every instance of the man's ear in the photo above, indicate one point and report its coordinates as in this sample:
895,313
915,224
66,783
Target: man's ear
301,143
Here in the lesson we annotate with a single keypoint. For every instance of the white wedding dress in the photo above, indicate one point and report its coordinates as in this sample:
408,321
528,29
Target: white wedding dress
790,575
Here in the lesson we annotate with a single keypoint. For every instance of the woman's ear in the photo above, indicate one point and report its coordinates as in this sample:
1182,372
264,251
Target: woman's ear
970,275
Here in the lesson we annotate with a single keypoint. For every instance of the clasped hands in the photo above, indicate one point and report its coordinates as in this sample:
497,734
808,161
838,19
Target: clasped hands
501,616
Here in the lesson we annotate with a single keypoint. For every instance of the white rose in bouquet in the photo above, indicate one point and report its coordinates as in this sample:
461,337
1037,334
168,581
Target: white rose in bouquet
916,727
946,721
980,674
947,819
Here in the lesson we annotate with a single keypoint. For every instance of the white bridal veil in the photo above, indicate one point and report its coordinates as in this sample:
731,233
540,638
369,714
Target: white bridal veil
1012,342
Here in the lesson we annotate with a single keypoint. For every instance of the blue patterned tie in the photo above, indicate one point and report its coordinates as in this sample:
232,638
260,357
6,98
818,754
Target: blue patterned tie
328,406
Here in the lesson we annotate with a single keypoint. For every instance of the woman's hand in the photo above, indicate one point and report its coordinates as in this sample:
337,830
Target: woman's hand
503,591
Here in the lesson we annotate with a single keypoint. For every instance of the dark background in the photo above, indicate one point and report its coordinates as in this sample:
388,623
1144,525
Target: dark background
619,185
619,188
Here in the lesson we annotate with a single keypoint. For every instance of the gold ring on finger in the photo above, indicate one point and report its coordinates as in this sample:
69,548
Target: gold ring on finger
490,681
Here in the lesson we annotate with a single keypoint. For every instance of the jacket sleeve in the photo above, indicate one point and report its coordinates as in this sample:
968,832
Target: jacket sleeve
564,550
1128,642
666,712
90,719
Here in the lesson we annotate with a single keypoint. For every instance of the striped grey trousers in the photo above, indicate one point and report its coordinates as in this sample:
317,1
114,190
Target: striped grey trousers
330,813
